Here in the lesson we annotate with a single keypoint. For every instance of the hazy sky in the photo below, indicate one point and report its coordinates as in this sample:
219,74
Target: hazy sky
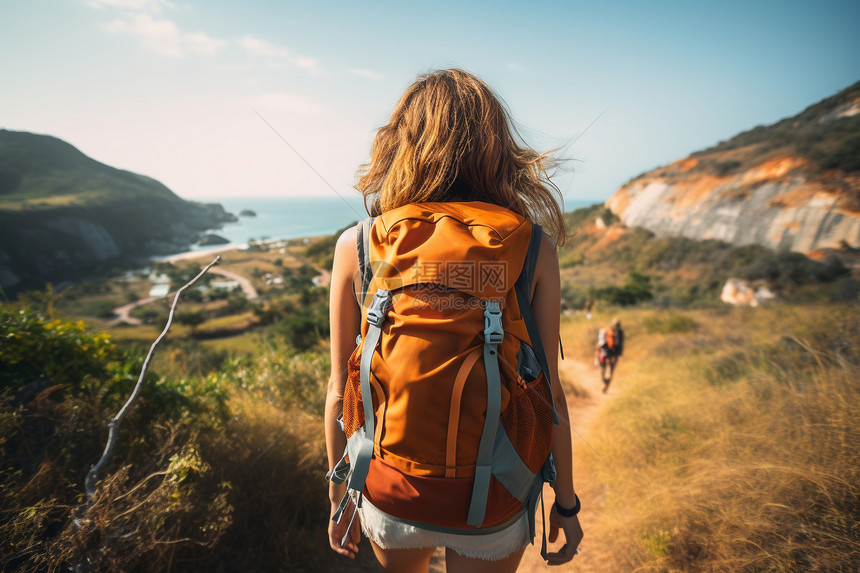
171,89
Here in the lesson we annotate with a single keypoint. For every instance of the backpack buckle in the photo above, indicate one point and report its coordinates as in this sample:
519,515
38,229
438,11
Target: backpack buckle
379,307
493,332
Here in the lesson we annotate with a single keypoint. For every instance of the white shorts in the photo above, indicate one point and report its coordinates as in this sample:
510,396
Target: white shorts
390,533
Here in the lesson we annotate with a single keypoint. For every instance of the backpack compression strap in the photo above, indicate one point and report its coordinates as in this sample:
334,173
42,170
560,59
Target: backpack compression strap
493,336
523,290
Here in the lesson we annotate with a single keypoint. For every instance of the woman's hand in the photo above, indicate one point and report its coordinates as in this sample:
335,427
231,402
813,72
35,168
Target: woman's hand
337,531
572,537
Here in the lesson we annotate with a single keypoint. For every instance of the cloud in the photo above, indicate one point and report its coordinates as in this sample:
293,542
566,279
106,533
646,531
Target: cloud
143,20
262,49
369,74
286,103
274,53
161,35
135,5
305,63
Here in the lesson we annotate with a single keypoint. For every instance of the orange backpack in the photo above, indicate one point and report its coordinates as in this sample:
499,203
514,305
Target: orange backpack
448,407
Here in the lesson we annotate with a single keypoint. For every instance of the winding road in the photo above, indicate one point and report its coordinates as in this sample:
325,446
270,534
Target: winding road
123,313
247,287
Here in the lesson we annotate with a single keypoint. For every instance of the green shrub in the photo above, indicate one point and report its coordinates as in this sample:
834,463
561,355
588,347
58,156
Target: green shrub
722,168
669,323
636,289
54,351
59,386
845,157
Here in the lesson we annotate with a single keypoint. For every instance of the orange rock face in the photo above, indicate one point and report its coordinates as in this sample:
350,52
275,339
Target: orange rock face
782,202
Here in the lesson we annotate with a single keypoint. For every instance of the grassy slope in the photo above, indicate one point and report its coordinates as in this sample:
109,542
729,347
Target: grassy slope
39,171
731,443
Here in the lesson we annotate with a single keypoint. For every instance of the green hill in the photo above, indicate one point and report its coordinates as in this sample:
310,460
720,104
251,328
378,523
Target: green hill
826,133
63,214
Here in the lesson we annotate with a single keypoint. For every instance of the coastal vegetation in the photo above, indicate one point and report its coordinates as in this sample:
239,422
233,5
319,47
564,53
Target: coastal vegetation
727,442
221,459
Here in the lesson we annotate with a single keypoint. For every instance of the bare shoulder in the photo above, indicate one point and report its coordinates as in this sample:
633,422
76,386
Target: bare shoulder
346,244
348,237
346,254
548,256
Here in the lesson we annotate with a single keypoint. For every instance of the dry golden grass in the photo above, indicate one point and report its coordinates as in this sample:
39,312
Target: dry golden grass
732,443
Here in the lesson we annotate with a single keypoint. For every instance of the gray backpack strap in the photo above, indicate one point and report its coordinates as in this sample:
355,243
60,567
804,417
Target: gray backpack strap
363,243
523,290
376,316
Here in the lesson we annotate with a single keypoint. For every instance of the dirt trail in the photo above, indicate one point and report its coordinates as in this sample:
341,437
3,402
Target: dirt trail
123,313
583,411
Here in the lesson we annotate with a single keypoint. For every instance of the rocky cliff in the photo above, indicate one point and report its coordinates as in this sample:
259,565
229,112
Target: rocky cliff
63,214
794,185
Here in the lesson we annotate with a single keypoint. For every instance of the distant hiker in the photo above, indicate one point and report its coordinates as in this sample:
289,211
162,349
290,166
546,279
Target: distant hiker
618,333
610,346
441,421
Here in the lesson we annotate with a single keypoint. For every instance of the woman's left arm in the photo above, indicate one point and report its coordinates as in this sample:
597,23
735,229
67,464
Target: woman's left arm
546,305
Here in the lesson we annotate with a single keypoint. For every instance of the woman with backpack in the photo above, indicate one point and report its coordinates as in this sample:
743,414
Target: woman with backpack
443,406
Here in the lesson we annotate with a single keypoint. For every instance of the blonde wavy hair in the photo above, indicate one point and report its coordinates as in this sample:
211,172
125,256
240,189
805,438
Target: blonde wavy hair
450,125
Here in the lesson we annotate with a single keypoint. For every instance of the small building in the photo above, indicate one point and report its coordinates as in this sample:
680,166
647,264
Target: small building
224,285
159,290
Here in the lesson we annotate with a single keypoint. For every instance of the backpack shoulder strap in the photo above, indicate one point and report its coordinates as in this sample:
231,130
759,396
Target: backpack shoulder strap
363,243
528,273
523,291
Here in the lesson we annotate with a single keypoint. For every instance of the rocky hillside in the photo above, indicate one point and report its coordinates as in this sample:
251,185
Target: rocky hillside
793,185
63,214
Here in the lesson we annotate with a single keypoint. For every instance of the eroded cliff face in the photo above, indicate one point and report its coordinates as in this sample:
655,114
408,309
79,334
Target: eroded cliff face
780,203
794,185
68,243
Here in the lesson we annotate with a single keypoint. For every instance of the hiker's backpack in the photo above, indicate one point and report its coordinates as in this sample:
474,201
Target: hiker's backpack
610,338
448,408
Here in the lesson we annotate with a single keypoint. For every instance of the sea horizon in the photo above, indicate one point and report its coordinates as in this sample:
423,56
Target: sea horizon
292,218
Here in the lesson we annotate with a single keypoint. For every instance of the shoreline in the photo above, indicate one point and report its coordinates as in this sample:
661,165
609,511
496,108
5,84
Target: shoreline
270,243
200,253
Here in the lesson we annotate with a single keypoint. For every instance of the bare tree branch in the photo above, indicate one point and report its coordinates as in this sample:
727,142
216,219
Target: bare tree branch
113,425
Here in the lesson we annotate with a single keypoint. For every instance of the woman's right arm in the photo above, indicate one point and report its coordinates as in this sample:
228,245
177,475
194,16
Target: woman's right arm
344,320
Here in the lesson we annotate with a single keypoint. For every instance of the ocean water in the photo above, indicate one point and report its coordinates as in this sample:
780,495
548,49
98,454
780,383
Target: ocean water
293,217
287,217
